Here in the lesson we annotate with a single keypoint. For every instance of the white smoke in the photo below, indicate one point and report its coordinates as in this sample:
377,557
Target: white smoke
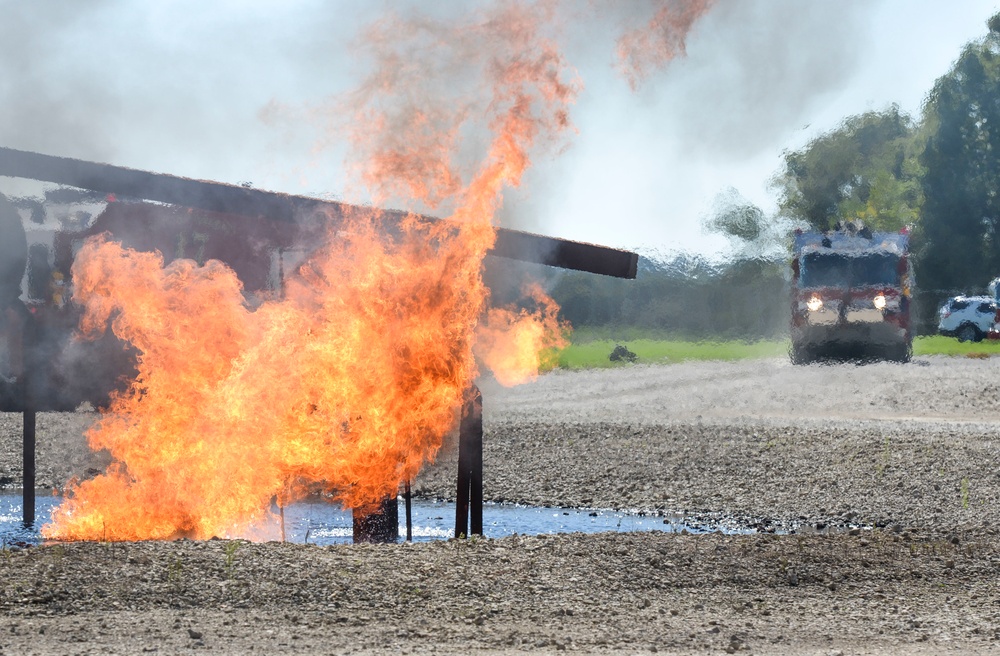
181,87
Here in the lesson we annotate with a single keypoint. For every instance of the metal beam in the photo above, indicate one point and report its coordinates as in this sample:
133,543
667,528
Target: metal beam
243,201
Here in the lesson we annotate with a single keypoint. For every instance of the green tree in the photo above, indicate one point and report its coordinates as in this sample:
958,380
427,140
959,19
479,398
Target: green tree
736,218
685,296
867,168
961,218
752,233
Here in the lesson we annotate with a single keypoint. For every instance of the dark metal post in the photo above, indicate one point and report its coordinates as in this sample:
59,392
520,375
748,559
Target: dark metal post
469,496
462,494
409,513
21,344
28,464
281,515
476,475
382,525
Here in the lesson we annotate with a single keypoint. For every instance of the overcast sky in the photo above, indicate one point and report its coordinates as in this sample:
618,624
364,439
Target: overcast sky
180,87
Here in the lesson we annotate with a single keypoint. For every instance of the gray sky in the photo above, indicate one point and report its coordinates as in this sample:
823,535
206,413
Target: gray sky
180,86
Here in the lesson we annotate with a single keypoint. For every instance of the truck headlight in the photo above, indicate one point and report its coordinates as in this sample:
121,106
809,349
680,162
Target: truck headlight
879,302
814,303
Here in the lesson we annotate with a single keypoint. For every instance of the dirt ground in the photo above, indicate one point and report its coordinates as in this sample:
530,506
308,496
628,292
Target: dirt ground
872,489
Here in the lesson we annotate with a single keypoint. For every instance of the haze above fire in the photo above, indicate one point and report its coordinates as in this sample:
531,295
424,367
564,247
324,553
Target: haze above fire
180,88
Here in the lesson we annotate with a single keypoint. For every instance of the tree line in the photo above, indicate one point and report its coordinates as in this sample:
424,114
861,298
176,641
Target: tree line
683,296
937,174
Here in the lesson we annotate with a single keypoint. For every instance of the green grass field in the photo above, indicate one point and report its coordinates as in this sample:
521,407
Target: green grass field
940,345
592,350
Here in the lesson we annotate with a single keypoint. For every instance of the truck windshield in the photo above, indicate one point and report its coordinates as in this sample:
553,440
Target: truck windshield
843,270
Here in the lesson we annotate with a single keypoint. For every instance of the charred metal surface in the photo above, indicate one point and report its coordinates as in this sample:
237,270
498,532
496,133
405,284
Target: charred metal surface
379,526
564,254
234,199
469,497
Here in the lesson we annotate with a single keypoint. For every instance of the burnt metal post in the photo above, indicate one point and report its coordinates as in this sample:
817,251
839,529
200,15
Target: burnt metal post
407,496
469,497
382,525
28,463
20,344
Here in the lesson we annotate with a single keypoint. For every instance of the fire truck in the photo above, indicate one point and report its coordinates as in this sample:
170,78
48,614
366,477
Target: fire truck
851,298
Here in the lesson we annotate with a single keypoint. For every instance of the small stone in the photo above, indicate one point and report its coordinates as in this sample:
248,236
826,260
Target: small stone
194,635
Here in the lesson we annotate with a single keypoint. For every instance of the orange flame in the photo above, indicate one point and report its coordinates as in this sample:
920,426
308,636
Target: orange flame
346,384
349,382
645,49
517,344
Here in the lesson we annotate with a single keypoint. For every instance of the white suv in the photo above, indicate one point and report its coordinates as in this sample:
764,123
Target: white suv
969,318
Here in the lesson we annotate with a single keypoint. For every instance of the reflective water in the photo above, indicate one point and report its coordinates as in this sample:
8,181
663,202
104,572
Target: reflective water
317,522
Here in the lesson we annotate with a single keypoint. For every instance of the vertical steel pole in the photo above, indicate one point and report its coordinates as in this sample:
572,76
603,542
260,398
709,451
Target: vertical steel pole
409,513
476,459
281,514
28,467
469,495
21,360
462,493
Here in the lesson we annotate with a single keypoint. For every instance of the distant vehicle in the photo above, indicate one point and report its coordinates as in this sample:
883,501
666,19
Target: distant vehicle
851,295
994,288
968,318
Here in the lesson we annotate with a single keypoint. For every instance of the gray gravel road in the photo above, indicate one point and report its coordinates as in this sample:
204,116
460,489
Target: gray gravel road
928,389
887,474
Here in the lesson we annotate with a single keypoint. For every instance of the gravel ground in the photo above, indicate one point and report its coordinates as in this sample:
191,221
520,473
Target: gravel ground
873,490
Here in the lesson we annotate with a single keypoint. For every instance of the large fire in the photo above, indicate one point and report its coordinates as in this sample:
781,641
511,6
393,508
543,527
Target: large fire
349,382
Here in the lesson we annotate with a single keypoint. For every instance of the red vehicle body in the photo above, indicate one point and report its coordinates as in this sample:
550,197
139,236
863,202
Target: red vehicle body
851,295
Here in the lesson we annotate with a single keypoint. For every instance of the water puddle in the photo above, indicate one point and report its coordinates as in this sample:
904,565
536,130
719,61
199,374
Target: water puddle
316,522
